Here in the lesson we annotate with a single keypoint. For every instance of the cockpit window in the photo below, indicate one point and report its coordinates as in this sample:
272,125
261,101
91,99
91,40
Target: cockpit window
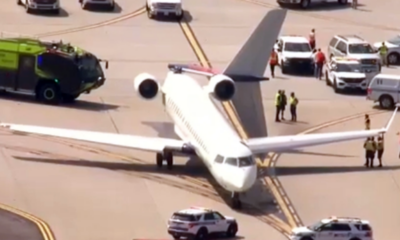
219,159
246,161
231,161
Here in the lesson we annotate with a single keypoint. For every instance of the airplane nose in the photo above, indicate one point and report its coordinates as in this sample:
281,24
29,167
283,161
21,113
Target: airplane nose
245,179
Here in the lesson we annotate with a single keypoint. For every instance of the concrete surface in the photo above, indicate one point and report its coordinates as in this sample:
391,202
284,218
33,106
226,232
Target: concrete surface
110,201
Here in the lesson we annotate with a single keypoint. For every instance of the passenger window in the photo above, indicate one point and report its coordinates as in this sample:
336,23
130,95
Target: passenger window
218,216
342,47
341,227
231,161
209,217
326,227
219,159
333,42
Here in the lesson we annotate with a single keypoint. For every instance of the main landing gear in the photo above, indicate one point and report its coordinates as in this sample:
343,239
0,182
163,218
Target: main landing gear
236,203
165,156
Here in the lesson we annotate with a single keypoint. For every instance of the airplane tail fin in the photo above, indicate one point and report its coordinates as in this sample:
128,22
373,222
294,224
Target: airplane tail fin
250,62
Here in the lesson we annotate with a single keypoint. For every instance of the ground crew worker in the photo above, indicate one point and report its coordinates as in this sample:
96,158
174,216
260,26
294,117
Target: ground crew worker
380,146
278,99
319,63
367,122
293,106
370,148
383,54
311,39
273,61
283,104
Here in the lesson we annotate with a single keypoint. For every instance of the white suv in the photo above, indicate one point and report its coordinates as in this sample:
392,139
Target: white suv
164,8
335,228
199,223
295,53
354,46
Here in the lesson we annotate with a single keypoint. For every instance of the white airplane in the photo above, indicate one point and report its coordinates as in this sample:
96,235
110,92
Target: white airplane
203,129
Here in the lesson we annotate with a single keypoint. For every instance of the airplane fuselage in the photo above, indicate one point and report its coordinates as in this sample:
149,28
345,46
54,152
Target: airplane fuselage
199,122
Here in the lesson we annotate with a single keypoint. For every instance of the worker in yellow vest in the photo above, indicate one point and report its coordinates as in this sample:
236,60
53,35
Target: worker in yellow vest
383,50
278,99
293,101
370,148
380,146
367,122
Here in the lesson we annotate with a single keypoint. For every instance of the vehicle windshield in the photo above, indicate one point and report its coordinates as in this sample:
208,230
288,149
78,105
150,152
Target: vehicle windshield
316,226
90,67
297,47
395,40
364,48
341,67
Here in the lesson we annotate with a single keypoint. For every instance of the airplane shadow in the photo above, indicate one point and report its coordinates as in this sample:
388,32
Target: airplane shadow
193,168
163,129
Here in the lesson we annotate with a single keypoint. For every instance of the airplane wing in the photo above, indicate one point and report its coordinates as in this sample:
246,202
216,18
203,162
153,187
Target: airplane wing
264,145
152,144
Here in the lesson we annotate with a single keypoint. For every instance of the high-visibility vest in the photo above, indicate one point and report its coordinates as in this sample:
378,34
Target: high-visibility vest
380,145
293,101
383,50
274,58
369,145
277,99
312,37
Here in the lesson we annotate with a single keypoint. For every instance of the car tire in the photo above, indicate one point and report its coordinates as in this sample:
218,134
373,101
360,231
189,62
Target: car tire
305,4
328,83
386,102
283,69
355,239
306,238
27,9
111,8
56,11
201,234
179,17
393,58
335,88
343,2
19,2
176,237
49,93
159,160
232,230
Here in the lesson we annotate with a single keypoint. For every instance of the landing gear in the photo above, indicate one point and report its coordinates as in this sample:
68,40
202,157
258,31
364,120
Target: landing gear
236,203
168,157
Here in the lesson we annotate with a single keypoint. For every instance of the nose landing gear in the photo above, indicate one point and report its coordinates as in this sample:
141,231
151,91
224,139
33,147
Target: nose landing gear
236,203
165,156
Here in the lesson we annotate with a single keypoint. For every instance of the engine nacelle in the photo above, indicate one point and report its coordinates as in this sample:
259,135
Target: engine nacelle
222,87
146,85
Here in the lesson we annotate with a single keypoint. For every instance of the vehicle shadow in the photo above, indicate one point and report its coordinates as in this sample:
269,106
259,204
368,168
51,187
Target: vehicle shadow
103,9
39,13
78,104
328,7
187,17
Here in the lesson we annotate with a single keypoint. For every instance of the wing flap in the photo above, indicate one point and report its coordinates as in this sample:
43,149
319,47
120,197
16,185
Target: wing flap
264,145
151,144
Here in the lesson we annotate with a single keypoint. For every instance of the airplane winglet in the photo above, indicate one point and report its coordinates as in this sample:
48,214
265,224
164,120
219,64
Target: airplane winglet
386,128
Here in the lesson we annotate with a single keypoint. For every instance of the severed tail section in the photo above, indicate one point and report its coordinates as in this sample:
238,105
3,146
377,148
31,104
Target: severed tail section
251,61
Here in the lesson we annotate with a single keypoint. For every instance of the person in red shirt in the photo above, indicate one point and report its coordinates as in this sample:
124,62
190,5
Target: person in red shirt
319,63
273,61
311,39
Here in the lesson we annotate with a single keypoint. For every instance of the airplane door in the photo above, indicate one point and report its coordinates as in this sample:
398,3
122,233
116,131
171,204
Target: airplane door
26,76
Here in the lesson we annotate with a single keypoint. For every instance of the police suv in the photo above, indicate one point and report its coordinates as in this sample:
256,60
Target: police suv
199,223
295,53
338,228
345,73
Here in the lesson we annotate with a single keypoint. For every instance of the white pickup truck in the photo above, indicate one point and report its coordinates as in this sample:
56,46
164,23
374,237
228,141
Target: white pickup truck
164,8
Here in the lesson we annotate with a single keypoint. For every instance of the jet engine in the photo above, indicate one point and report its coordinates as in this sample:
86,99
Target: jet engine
221,87
146,85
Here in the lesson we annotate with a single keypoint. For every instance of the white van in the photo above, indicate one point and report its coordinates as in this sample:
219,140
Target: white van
385,89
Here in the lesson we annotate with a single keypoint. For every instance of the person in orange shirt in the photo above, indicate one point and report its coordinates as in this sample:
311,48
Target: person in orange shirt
273,61
311,39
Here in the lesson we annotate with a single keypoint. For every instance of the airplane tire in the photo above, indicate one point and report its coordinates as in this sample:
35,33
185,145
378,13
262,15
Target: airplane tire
170,160
159,159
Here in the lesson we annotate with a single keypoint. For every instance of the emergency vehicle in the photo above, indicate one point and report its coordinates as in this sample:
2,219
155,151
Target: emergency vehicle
50,71
295,53
345,73
338,228
200,222
42,5
304,4
164,8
